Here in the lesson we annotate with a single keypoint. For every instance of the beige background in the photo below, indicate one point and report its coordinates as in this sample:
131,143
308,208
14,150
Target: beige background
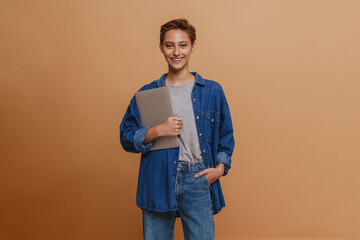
290,70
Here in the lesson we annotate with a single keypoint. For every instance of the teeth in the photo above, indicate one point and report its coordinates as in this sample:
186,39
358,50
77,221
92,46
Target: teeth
177,59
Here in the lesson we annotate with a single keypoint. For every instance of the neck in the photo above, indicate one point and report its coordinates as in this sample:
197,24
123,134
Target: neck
179,77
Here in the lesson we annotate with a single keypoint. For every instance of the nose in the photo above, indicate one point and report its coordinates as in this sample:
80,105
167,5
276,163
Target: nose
176,50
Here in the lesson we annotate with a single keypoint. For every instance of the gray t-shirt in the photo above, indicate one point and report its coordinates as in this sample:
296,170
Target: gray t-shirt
188,140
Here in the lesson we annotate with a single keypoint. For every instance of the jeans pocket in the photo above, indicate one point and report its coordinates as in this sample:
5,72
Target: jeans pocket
206,181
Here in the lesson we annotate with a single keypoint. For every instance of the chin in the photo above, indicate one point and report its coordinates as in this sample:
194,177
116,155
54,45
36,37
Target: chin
177,67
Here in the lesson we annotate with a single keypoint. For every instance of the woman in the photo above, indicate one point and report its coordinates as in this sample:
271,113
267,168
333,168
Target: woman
184,181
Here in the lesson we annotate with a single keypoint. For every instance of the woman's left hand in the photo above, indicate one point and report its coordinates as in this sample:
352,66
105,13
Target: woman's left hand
212,174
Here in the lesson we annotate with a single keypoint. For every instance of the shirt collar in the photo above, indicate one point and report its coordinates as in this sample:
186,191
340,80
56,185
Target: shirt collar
198,80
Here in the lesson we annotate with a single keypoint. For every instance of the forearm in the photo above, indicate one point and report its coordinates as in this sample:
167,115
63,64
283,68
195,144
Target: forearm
221,168
152,134
171,127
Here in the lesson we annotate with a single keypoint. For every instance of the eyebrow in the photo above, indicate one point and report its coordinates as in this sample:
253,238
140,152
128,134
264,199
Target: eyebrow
179,42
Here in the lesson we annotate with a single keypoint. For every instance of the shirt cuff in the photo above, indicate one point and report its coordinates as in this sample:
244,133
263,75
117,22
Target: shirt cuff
222,157
139,138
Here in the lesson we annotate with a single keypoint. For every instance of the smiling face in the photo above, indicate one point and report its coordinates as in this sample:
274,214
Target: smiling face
177,49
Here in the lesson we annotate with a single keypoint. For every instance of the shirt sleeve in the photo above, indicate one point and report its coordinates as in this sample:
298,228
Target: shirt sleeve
132,135
226,137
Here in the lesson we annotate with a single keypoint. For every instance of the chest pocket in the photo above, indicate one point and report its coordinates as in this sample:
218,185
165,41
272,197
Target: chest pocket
211,125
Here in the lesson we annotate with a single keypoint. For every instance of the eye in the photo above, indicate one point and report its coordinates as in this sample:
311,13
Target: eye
168,46
183,45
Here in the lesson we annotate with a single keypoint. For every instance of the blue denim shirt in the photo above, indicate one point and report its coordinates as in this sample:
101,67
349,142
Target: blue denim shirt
158,168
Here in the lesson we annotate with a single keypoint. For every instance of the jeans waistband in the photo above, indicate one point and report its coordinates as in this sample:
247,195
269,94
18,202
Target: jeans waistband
191,167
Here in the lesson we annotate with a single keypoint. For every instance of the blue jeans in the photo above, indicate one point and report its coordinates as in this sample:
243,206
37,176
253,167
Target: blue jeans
195,208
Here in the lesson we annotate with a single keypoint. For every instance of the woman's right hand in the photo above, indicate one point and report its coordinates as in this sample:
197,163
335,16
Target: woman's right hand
171,127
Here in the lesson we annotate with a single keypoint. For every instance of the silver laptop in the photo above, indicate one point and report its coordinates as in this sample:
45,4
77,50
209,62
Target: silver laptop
155,107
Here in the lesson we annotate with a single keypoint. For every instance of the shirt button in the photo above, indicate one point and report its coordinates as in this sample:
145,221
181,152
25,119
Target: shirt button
197,117
200,134
212,120
203,150
174,162
194,99
173,179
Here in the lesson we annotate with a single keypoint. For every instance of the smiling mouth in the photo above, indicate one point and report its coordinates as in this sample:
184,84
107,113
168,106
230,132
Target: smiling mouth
177,59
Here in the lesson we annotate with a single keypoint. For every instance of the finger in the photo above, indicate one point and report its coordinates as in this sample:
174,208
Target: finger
177,121
199,174
175,118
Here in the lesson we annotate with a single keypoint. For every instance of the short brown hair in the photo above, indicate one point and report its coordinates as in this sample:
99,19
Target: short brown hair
180,23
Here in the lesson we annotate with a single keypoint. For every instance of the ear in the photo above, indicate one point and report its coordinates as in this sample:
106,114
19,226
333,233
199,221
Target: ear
193,47
161,49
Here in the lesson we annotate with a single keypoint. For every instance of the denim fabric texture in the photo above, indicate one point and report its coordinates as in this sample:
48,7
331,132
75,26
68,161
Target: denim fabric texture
195,208
158,168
